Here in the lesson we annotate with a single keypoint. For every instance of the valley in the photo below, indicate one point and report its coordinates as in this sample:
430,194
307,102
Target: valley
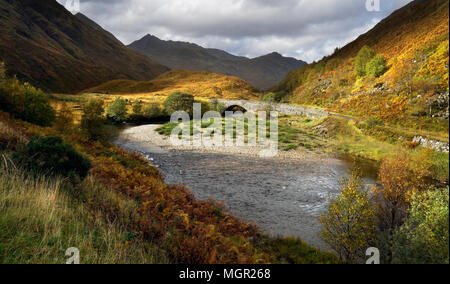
313,163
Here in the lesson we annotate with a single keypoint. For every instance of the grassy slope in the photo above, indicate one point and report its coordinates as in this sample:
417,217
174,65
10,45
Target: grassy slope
358,140
414,41
201,84
40,220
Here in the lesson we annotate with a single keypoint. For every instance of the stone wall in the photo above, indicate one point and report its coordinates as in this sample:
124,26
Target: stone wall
254,106
432,144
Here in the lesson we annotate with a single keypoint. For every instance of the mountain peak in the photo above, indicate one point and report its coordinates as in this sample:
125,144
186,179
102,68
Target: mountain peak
150,36
275,54
190,56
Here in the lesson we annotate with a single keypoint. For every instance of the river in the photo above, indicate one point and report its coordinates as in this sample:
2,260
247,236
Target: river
284,197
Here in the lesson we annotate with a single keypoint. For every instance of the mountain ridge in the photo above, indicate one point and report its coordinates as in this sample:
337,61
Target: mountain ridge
262,72
96,26
44,44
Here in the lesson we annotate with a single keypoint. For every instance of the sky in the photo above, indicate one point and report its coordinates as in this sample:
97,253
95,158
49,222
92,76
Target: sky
304,29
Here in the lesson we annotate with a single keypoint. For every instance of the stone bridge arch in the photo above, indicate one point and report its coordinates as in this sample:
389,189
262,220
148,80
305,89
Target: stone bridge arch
254,106
235,108
248,106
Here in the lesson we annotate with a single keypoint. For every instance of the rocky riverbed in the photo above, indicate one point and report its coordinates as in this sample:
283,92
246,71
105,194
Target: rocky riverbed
283,195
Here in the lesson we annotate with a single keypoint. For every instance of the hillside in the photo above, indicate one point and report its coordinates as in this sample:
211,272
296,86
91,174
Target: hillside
199,83
412,91
97,27
262,72
44,44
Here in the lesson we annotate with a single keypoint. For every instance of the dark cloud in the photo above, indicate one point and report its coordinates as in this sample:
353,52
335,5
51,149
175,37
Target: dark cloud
305,29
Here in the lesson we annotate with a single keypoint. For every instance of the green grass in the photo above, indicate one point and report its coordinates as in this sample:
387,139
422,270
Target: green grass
294,251
290,147
167,128
290,138
356,139
40,220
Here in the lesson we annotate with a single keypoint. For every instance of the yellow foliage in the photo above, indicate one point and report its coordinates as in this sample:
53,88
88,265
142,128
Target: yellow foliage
350,223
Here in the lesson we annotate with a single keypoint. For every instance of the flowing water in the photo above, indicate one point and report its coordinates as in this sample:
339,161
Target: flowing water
283,197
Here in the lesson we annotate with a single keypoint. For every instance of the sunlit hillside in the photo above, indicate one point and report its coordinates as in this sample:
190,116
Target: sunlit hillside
44,44
201,84
411,87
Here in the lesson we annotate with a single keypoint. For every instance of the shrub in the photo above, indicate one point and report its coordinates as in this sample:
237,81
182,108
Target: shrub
64,119
373,122
400,175
92,121
153,111
25,102
205,107
376,67
2,72
364,56
350,224
51,155
117,111
37,107
270,97
11,137
424,238
138,108
179,101
217,106
274,97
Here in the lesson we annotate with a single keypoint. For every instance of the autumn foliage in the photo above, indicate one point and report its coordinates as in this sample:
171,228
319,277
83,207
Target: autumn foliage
376,75
190,230
350,224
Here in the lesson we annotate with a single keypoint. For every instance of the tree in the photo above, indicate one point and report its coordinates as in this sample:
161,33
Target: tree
274,97
64,119
376,67
349,226
400,176
24,101
215,105
117,111
138,108
364,56
424,238
37,108
92,121
153,111
179,101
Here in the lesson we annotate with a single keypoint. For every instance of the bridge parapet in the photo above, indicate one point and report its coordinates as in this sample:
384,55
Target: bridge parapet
254,106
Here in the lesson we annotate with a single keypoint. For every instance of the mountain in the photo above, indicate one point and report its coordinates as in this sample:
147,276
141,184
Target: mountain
201,83
412,89
262,72
97,27
44,44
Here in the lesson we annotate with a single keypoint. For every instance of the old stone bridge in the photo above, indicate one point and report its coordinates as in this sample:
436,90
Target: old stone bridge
254,106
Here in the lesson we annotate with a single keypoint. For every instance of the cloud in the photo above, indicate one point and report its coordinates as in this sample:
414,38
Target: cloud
305,29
